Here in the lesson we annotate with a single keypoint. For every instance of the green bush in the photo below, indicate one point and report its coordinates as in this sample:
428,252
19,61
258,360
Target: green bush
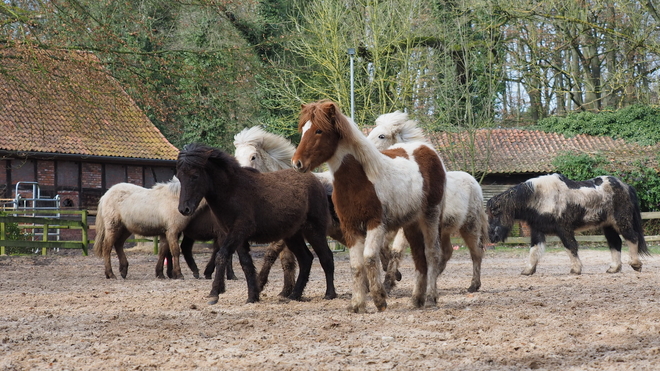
13,232
638,123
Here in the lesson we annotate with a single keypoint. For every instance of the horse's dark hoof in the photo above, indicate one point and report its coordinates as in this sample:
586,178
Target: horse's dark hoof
381,307
232,277
418,301
359,308
296,297
214,300
252,300
330,296
474,288
123,275
196,275
160,276
208,276
636,267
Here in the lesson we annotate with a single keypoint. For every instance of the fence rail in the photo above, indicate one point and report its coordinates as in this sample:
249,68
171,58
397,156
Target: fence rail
45,224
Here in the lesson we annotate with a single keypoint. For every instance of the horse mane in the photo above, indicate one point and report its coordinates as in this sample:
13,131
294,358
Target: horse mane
173,186
277,147
400,127
198,155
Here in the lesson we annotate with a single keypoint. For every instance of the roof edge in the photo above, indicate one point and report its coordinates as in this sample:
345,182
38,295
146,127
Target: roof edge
5,154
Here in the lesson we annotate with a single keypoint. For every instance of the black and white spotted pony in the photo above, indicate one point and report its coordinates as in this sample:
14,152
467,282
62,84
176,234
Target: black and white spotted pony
553,204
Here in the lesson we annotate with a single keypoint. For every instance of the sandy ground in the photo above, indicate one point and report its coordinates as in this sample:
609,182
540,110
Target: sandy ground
60,313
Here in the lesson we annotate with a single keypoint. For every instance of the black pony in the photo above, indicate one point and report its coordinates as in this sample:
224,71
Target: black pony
258,207
554,204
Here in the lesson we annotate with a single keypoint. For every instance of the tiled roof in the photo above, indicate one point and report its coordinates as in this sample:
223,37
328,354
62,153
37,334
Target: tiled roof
506,151
64,102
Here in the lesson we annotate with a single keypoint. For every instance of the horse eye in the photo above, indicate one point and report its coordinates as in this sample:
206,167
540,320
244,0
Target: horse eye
253,158
319,131
382,136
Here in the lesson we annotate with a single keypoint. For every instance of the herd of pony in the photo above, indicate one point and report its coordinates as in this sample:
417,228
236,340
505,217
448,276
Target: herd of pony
381,193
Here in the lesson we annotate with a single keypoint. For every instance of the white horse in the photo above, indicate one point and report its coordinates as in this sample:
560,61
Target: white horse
464,203
375,193
127,209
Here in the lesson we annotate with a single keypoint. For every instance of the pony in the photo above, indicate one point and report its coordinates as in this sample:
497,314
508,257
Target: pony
554,204
127,209
259,207
463,210
375,193
268,152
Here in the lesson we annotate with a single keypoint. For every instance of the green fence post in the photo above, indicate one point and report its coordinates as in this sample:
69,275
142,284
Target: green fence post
155,245
2,238
45,239
85,236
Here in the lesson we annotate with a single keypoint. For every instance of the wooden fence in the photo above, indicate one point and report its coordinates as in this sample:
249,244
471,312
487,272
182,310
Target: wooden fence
78,219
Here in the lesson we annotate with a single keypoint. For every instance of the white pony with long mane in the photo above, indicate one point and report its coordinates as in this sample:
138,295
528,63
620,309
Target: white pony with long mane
464,203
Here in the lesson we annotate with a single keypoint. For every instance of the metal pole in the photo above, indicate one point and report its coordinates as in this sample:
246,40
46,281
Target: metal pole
351,52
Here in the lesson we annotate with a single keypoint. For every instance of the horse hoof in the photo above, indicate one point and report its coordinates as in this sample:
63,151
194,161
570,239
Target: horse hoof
636,267
614,270
208,276
360,308
232,278
431,301
381,307
418,302
296,297
160,276
252,300
214,300
473,288
575,273
528,272
123,275
330,296
196,275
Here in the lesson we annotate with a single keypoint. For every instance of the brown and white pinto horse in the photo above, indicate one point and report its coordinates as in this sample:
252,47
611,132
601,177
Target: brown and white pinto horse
375,193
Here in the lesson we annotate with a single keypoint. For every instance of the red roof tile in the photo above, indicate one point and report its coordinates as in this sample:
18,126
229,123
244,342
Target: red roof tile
527,151
64,102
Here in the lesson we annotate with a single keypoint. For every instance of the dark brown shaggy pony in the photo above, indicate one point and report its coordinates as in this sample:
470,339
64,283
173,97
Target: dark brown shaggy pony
258,207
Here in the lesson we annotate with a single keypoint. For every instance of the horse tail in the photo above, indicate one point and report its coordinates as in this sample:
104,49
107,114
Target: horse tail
100,232
484,227
642,248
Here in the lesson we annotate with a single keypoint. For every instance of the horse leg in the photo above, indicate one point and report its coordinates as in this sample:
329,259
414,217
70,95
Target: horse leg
447,251
319,243
230,268
221,257
614,242
272,252
416,240
392,273
431,231
249,270
186,249
474,243
633,240
296,244
173,241
356,255
163,253
106,249
535,252
210,266
372,245
571,244
288,261
119,248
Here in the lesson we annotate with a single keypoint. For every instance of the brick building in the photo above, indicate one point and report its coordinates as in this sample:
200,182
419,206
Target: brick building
69,126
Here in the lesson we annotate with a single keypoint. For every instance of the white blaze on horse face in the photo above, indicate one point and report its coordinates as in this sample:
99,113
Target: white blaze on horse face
306,127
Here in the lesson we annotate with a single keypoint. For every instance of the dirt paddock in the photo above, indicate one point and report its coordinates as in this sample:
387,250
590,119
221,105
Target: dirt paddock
60,313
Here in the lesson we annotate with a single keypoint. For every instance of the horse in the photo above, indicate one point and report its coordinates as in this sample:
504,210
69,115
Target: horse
127,209
258,207
375,193
463,210
554,204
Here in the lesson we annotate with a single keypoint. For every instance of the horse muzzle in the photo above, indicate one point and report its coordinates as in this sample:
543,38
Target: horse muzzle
299,166
186,210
